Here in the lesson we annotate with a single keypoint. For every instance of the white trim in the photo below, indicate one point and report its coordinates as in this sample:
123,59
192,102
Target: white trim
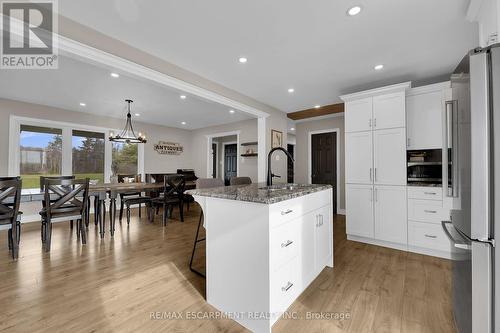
473,10
372,241
309,161
374,92
261,149
209,147
326,116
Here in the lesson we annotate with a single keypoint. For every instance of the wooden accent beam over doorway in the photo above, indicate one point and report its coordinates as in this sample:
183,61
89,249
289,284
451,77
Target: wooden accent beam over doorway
322,111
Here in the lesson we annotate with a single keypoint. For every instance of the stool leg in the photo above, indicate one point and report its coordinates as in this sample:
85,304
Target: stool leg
196,241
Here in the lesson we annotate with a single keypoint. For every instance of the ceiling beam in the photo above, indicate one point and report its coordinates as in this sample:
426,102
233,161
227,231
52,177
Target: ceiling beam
322,111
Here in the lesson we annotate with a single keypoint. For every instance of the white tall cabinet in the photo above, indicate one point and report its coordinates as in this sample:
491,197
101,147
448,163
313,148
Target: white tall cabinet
375,146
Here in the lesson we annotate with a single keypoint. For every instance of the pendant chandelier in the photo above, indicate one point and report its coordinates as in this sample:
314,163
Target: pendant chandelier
128,134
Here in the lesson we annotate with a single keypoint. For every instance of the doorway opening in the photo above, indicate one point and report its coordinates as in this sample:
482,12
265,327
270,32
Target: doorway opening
223,163
323,160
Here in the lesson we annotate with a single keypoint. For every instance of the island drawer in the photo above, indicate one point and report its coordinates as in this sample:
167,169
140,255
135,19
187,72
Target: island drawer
284,243
288,210
285,285
427,211
425,193
427,235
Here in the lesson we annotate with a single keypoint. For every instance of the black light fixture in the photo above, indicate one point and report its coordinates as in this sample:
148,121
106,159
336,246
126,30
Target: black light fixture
128,134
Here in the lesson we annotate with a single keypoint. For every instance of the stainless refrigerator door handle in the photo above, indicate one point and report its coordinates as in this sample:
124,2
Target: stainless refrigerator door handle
456,244
451,129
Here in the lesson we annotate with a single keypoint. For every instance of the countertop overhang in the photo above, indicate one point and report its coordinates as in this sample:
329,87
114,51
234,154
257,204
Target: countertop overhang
259,192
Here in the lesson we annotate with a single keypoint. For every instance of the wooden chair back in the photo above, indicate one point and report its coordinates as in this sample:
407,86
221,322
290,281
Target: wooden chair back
10,198
174,185
65,196
42,180
240,181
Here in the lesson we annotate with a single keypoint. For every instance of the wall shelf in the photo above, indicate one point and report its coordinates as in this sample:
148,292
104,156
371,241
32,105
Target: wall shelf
249,155
249,143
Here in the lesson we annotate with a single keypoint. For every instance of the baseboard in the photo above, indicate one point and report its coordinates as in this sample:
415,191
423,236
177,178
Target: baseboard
371,241
401,247
340,211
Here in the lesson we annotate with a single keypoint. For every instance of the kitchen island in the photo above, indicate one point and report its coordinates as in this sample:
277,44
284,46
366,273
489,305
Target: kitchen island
264,246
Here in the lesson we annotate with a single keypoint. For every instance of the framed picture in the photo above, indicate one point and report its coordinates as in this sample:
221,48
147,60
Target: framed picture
276,139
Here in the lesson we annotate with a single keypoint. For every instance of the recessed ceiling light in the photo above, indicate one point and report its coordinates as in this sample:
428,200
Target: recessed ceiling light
183,96
292,129
378,67
317,106
354,11
183,123
137,114
83,104
231,111
291,90
242,60
115,75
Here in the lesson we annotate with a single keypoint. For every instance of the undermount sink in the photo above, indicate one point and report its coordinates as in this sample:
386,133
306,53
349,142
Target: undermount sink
282,187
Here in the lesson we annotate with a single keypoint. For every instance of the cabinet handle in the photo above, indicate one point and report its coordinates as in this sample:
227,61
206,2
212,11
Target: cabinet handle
375,122
376,195
370,122
430,236
288,211
375,174
430,193
430,211
371,195
288,243
371,172
287,287
408,143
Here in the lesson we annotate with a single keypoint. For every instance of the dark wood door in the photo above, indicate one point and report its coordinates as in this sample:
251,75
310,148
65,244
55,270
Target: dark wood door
291,150
230,162
214,160
324,161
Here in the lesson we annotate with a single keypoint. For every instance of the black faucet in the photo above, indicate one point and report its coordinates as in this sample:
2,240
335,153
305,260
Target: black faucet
270,174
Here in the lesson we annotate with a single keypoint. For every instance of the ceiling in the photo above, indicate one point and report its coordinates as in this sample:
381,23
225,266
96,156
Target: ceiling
76,82
312,46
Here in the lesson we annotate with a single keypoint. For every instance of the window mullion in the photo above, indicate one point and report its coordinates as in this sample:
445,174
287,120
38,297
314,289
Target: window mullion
67,151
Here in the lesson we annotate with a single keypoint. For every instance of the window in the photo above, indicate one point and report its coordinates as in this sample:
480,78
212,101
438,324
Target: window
40,154
124,159
88,155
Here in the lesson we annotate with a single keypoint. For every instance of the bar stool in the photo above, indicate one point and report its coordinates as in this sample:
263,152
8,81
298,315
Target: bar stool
240,181
200,184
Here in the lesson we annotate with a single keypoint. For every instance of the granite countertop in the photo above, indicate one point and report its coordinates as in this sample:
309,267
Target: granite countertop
260,193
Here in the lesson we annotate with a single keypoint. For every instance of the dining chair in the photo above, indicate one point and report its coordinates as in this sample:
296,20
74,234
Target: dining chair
173,194
10,217
240,181
42,189
130,198
64,200
202,183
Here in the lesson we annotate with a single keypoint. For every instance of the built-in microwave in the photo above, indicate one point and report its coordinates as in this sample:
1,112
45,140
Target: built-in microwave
424,167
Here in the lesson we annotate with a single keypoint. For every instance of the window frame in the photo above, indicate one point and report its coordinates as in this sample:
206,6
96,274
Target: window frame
15,123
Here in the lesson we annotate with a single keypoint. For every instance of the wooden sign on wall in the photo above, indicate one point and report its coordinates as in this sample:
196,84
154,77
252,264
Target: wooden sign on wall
168,148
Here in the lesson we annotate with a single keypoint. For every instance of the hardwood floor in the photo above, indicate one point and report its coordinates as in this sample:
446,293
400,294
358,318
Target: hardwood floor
115,285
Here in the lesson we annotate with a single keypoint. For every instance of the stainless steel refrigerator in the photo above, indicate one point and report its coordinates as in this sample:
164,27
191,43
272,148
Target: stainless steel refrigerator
472,145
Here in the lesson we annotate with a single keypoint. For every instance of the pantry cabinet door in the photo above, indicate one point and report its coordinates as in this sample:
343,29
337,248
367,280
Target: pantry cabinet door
390,214
389,111
359,158
424,120
389,161
359,210
358,115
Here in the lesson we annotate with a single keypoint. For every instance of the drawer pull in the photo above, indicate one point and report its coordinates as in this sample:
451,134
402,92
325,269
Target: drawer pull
287,287
430,236
288,243
288,211
430,211
430,193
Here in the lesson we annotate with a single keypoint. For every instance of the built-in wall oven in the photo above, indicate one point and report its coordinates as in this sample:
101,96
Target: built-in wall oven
425,167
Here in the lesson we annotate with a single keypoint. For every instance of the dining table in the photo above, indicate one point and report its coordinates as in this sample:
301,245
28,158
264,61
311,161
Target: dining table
102,191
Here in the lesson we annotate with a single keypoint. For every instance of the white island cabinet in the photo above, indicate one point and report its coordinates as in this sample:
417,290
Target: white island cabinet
264,247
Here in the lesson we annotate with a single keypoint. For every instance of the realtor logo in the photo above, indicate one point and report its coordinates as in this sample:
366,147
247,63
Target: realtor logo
28,35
